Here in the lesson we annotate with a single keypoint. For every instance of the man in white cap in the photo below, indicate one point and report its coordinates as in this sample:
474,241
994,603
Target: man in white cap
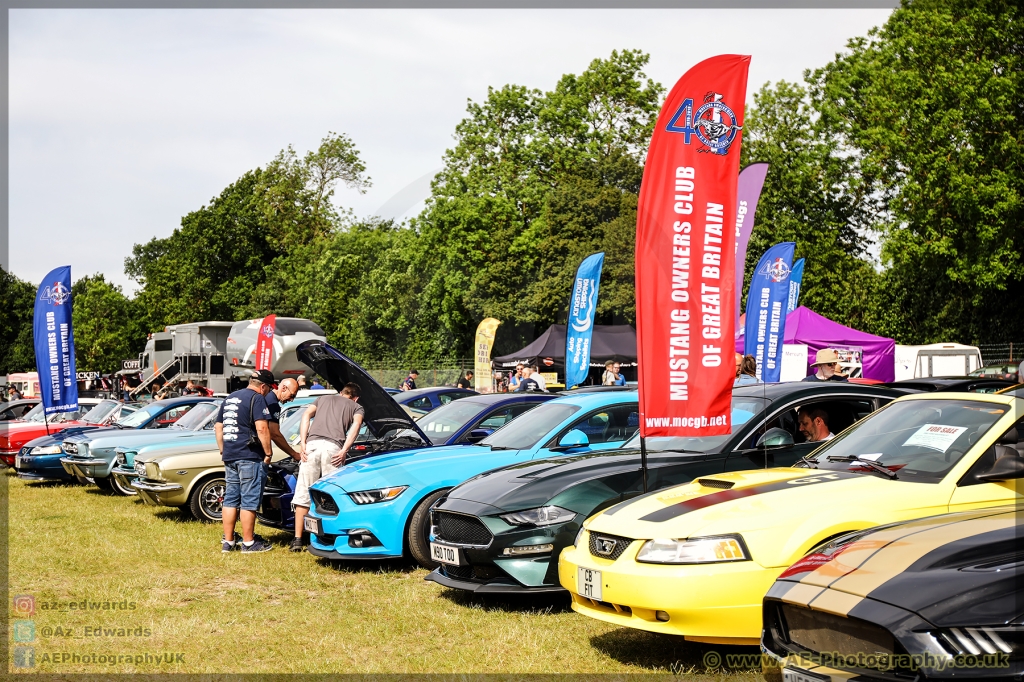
826,366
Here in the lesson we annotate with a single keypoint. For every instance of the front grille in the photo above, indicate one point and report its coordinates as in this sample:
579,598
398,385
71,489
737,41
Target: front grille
477,573
325,504
715,483
607,546
820,632
460,529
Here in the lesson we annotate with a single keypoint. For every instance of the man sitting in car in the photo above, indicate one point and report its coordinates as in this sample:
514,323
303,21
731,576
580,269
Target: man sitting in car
814,424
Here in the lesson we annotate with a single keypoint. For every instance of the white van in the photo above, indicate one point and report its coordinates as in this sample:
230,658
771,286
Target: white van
936,360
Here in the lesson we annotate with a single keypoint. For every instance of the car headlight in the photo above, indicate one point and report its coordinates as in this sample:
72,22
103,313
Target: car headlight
140,469
539,516
46,450
708,550
70,448
379,495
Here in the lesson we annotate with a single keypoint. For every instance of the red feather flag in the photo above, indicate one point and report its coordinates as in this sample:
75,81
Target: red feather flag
686,255
265,342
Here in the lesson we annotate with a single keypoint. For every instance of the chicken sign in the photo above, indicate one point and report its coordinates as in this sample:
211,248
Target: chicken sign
686,254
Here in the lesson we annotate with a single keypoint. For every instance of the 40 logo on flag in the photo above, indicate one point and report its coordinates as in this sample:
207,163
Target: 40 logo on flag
775,271
714,123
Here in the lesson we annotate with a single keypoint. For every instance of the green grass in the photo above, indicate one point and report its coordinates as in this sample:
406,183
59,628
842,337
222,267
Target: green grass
281,612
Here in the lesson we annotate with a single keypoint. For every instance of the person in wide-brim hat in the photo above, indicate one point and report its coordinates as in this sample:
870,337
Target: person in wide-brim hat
826,366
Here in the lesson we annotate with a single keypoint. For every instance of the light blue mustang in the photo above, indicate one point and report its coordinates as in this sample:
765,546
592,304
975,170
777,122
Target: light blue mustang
379,507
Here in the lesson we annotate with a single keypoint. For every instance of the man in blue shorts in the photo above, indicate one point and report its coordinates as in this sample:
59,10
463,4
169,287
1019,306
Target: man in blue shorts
243,438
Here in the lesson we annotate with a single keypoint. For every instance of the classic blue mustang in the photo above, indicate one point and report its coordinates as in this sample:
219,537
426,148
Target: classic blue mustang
379,507
461,421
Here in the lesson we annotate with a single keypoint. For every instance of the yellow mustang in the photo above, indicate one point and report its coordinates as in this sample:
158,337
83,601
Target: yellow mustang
697,559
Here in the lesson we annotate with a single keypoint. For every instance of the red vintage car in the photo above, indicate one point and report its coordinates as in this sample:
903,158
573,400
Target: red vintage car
91,412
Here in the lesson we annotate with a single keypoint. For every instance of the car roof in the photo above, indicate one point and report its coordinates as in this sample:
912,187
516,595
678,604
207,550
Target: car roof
591,399
790,388
1002,399
435,389
495,398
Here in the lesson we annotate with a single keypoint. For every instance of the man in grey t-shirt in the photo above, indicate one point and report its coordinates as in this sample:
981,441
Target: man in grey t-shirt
323,446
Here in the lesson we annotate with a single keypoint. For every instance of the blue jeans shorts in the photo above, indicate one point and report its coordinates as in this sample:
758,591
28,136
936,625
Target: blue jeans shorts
244,481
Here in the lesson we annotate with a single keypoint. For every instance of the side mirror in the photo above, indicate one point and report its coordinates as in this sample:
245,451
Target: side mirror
477,435
775,438
1006,468
574,439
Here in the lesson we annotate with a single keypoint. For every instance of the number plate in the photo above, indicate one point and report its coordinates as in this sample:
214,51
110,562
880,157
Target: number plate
588,583
797,675
17,461
446,555
312,524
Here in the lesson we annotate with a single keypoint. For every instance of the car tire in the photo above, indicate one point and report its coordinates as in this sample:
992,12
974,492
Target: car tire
116,487
104,484
207,499
418,537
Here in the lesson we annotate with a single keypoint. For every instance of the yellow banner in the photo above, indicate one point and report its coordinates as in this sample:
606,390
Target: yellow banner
482,366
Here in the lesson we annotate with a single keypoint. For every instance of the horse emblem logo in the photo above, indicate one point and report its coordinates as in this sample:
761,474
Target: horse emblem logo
714,123
58,294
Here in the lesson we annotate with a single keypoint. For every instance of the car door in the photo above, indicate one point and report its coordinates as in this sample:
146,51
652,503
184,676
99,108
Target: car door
970,493
605,429
842,413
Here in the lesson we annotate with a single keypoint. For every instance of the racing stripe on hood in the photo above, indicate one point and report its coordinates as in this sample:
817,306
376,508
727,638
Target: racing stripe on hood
675,510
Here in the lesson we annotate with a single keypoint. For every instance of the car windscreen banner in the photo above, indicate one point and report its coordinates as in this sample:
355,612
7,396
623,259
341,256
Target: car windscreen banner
580,327
796,277
482,376
748,191
686,253
54,343
265,342
766,311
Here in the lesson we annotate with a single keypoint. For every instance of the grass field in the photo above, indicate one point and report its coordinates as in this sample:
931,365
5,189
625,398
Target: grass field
280,612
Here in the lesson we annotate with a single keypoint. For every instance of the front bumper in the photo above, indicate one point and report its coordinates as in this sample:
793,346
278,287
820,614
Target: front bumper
86,467
489,568
160,493
384,521
714,603
41,468
494,586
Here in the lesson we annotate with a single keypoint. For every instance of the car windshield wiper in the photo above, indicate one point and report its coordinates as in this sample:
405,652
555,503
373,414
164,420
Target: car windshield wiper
809,462
869,463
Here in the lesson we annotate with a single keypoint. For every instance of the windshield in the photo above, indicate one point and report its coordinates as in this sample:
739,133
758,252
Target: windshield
743,410
290,425
196,418
140,417
101,412
440,424
526,431
921,440
36,415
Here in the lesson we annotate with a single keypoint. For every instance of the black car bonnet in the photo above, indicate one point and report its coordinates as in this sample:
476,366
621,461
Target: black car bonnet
381,413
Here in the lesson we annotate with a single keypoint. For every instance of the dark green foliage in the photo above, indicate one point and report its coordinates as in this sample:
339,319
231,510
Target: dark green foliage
17,299
108,326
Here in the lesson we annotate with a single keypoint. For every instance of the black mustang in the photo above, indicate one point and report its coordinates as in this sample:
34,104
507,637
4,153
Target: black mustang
507,526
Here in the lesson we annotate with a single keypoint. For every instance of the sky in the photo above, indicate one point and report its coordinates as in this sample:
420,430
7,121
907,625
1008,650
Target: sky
123,121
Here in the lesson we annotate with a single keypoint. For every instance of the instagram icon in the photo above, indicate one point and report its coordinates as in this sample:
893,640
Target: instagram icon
24,605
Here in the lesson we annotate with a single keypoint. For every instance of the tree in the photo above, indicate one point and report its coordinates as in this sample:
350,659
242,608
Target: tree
17,302
811,197
930,105
108,328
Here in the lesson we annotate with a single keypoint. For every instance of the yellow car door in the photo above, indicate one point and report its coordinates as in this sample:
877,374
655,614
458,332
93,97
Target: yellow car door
972,492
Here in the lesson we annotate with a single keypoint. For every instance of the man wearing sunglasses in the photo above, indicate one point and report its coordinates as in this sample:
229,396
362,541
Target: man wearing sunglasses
826,367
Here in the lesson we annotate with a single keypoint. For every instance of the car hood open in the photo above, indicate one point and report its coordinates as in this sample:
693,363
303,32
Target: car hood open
380,411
